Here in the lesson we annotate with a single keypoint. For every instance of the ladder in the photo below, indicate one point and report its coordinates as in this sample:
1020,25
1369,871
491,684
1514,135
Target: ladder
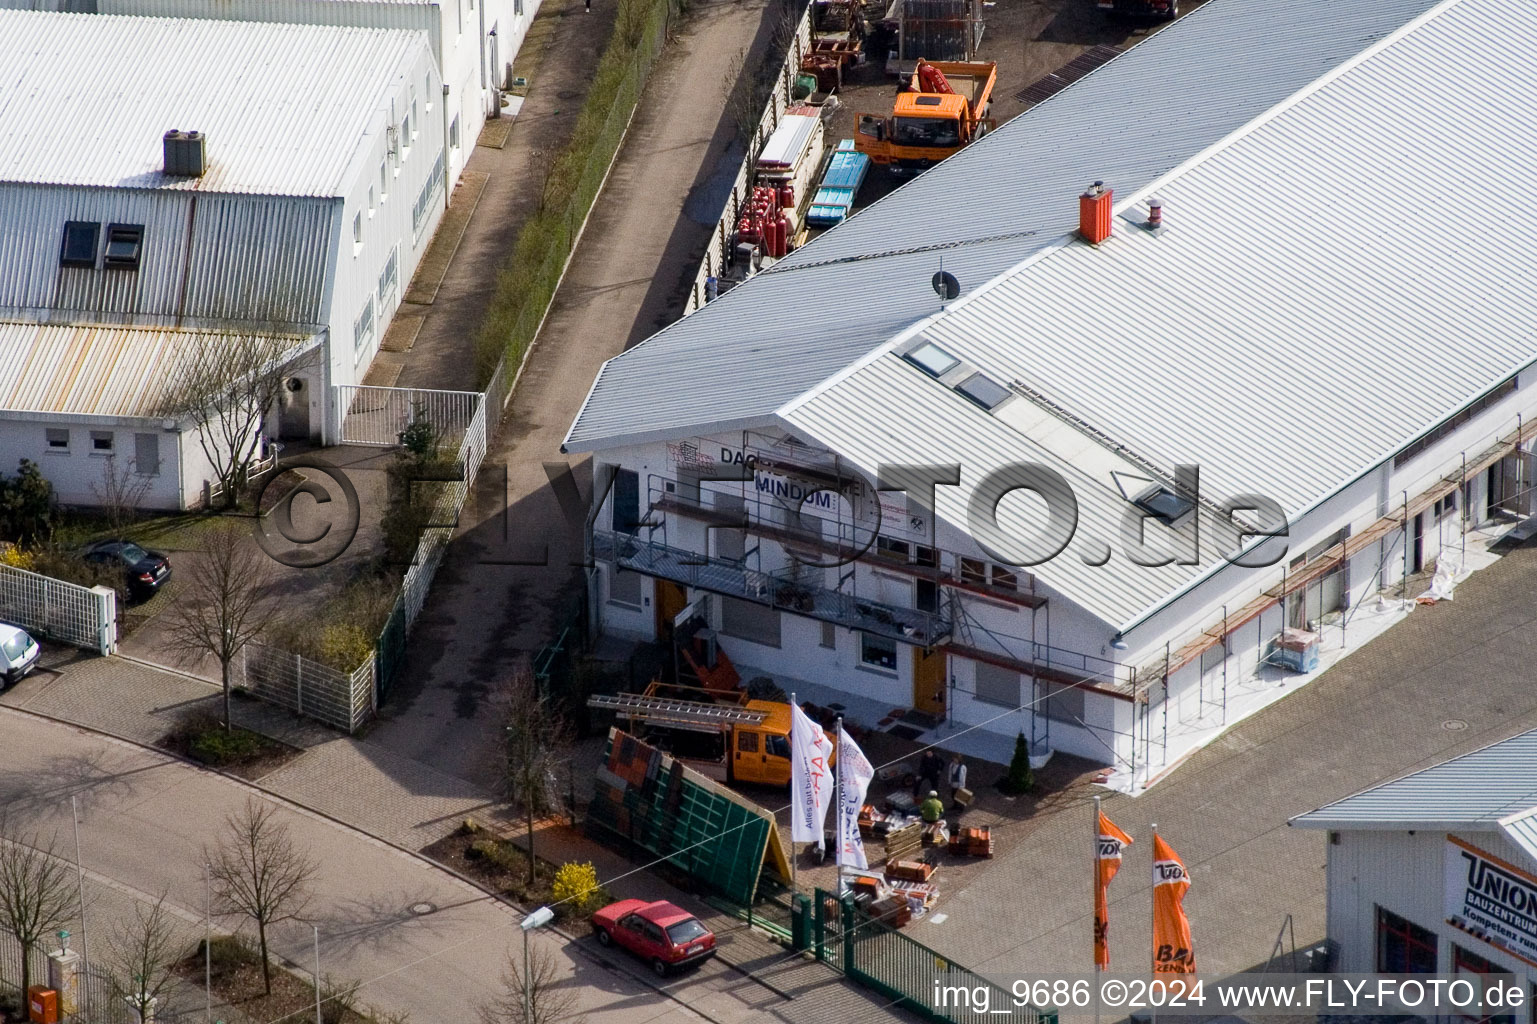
697,716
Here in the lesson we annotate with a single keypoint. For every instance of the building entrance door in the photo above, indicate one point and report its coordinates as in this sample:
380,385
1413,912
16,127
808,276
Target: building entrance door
929,680
670,599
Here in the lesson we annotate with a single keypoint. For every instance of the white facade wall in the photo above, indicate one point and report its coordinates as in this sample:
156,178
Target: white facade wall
472,41
1096,725
79,473
1402,872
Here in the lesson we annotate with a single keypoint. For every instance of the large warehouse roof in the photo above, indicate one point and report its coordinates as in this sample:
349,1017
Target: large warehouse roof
994,204
1493,789
1332,280
85,99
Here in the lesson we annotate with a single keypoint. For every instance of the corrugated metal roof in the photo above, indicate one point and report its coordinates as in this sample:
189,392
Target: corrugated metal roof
98,371
1522,830
85,99
993,204
1481,788
1327,267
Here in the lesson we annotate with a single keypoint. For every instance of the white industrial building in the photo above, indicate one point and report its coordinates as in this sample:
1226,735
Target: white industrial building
473,42
1334,315
1437,872
316,178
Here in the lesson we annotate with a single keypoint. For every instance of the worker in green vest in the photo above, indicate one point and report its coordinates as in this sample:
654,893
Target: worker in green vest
931,809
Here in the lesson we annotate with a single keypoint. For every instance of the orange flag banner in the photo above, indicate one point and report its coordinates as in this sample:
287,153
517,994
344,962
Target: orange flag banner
1172,950
1107,861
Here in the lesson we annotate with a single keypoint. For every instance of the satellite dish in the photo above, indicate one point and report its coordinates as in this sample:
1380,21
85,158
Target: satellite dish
946,286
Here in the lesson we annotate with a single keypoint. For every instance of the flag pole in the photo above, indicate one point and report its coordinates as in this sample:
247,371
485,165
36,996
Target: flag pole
794,887
1094,895
1152,916
838,803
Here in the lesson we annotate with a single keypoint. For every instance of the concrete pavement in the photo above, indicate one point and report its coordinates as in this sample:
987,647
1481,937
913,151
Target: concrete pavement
146,818
1450,678
509,578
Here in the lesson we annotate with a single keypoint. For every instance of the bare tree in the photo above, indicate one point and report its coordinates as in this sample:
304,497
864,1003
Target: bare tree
222,601
140,953
540,997
120,491
257,871
37,892
535,737
226,389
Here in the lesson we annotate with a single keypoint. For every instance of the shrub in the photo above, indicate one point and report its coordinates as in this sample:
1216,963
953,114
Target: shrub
345,643
218,746
27,512
227,953
1020,778
15,557
576,887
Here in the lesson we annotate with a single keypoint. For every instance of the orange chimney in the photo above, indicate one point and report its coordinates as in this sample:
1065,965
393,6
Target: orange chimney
1094,213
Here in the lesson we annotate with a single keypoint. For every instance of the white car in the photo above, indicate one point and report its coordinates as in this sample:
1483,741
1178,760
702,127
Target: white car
18,654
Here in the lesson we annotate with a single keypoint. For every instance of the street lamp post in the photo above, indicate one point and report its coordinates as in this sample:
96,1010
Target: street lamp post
536,919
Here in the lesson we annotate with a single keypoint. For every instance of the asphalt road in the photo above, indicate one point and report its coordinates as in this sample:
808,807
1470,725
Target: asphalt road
145,818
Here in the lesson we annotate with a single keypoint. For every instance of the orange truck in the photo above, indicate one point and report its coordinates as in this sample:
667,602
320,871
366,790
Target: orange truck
750,739
941,107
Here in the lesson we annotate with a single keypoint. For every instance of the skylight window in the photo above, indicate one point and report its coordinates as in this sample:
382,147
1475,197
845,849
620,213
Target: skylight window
80,237
1165,505
123,243
932,359
983,390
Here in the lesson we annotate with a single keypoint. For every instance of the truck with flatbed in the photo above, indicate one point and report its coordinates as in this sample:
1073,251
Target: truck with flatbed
940,108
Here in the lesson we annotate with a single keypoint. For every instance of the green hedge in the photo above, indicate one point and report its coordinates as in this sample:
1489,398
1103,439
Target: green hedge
526,286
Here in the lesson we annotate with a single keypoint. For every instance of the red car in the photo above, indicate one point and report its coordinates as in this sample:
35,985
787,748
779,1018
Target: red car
664,935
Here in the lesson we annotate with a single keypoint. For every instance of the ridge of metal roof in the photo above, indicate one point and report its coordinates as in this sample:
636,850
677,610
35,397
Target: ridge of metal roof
791,328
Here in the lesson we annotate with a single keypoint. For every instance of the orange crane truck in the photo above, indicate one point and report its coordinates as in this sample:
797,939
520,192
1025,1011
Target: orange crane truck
940,108
749,739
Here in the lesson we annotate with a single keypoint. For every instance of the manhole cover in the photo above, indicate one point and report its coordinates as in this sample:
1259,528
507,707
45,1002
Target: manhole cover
1454,725
422,908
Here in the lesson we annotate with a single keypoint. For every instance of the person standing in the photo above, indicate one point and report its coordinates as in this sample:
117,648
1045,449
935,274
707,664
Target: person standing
957,779
930,766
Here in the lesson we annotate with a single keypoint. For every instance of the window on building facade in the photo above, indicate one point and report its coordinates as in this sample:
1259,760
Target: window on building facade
58,439
357,233
1403,947
878,652
453,132
124,242
896,550
626,508
829,636
997,685
1005,579
624,588
748,620
384,180
146,454
973,570
80,241
101,442
1467,962
1064,704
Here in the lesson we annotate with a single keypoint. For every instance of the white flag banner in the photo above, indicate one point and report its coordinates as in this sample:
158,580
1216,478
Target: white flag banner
854,775
811,781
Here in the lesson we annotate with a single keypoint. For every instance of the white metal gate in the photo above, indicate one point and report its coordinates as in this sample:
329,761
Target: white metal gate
56,610
378,416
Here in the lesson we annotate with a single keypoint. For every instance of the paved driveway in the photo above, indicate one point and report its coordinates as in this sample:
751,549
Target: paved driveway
1448,679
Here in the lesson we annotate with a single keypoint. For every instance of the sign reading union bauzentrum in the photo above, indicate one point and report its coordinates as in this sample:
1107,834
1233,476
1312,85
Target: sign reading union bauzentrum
1491,899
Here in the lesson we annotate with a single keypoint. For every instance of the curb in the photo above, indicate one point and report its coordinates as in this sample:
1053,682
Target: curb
332,819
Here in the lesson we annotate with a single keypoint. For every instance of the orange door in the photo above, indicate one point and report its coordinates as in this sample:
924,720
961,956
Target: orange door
929,680
670,599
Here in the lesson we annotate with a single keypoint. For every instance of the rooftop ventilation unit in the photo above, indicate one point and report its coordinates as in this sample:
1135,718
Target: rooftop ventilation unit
184,154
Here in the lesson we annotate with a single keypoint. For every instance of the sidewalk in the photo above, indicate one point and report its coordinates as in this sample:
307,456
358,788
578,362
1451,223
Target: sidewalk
409,805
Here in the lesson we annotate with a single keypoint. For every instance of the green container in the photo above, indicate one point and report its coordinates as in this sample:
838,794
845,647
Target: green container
805,85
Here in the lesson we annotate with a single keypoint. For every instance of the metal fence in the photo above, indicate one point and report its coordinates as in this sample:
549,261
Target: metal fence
342,700
55,610
98,999
901,968
378,416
